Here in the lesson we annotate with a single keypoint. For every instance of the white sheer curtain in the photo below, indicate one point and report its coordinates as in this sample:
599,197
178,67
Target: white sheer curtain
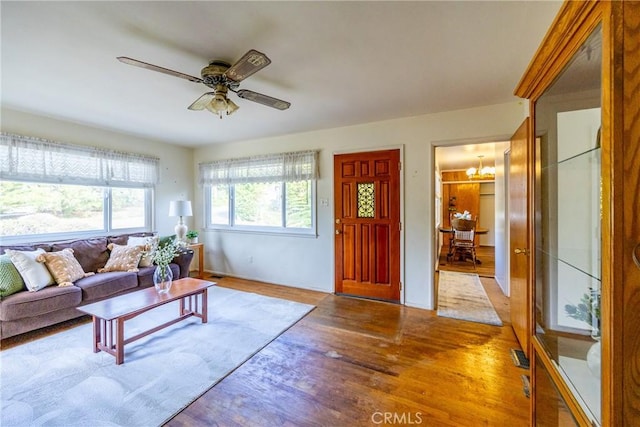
25,158
287,167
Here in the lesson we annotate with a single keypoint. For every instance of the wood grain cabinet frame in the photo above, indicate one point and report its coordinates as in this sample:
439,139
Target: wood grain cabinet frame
619,156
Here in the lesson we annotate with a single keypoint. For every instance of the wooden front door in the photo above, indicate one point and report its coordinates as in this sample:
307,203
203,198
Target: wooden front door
367,224
519,248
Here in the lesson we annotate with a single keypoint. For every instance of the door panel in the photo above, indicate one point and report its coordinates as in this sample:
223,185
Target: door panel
367,224
519,236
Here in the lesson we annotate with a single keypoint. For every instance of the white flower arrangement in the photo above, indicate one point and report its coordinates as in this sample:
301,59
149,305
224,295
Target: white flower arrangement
463,215
162,256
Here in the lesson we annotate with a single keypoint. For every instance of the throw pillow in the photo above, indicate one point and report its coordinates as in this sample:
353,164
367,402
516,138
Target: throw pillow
150,244
35,275
10,280
123,258
63,266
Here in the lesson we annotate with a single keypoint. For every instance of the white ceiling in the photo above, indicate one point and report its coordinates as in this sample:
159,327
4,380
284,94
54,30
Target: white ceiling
338,63
462,157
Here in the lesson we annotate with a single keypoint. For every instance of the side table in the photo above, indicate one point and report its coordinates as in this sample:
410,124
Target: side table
200,248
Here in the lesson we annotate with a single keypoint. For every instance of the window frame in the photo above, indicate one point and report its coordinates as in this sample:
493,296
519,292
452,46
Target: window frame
312,231
41,161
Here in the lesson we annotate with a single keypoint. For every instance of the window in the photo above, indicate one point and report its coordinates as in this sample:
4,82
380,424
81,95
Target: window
274,193
129,208
48,188
31,209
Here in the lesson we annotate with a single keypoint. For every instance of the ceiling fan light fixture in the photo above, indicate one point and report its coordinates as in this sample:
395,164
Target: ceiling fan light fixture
231,107
220,105
219,102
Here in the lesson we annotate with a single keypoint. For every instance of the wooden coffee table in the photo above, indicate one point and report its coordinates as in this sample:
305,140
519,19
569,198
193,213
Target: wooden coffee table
109,315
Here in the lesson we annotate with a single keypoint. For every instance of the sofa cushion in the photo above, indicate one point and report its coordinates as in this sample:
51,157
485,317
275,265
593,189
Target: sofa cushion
123,258
31,304
63,266
10,279
35,275
103,285
145,275
122,239
150,244
92,254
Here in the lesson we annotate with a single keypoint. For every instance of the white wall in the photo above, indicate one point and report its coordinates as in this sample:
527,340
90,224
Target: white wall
176,173
487,213
308,262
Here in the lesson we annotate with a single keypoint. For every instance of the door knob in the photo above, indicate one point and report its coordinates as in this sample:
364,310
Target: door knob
636,261
338,232
518,251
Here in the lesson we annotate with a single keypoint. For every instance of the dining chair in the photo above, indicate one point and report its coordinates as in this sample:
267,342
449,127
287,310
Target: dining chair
463,241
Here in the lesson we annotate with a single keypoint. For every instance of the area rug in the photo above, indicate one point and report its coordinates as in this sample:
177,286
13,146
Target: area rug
59,381
461,296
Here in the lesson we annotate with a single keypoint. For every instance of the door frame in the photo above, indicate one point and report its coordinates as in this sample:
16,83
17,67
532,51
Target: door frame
435,250
507,211
333,199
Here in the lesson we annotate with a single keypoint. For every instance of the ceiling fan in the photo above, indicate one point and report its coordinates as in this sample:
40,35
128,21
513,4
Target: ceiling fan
222,77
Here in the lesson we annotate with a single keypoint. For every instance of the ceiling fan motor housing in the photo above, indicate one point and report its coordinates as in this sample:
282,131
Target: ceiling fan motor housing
213,75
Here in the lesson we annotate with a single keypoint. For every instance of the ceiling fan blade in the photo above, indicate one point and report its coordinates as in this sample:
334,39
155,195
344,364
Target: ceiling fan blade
252,62
202,102
163,70
263,99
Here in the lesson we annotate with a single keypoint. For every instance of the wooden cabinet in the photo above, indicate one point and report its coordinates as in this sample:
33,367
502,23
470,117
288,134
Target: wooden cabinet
459,194
584,196
460,197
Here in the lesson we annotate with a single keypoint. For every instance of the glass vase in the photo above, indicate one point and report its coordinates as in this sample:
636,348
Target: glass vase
162,278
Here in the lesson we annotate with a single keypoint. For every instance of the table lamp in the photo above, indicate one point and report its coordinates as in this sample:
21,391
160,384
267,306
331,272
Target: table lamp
180,208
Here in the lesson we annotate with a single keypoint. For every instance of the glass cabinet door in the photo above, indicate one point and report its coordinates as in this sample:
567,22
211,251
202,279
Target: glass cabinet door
568,224
551,409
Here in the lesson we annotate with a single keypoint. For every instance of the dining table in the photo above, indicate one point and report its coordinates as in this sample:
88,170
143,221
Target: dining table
449,231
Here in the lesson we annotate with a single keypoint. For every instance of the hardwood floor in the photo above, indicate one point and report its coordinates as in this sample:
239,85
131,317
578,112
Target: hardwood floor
487,267
354,362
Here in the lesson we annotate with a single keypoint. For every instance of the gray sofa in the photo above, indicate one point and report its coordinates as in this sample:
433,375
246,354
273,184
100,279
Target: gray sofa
26,311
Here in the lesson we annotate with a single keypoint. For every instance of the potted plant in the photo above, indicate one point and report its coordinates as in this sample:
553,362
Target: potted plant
192,235
588,311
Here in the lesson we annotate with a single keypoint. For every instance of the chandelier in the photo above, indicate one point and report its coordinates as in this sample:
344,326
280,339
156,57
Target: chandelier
481,172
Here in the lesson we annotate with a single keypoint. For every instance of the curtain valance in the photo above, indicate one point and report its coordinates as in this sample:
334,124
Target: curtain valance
25,158
287,167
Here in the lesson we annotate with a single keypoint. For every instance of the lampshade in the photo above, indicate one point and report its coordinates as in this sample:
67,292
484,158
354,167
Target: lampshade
180,208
